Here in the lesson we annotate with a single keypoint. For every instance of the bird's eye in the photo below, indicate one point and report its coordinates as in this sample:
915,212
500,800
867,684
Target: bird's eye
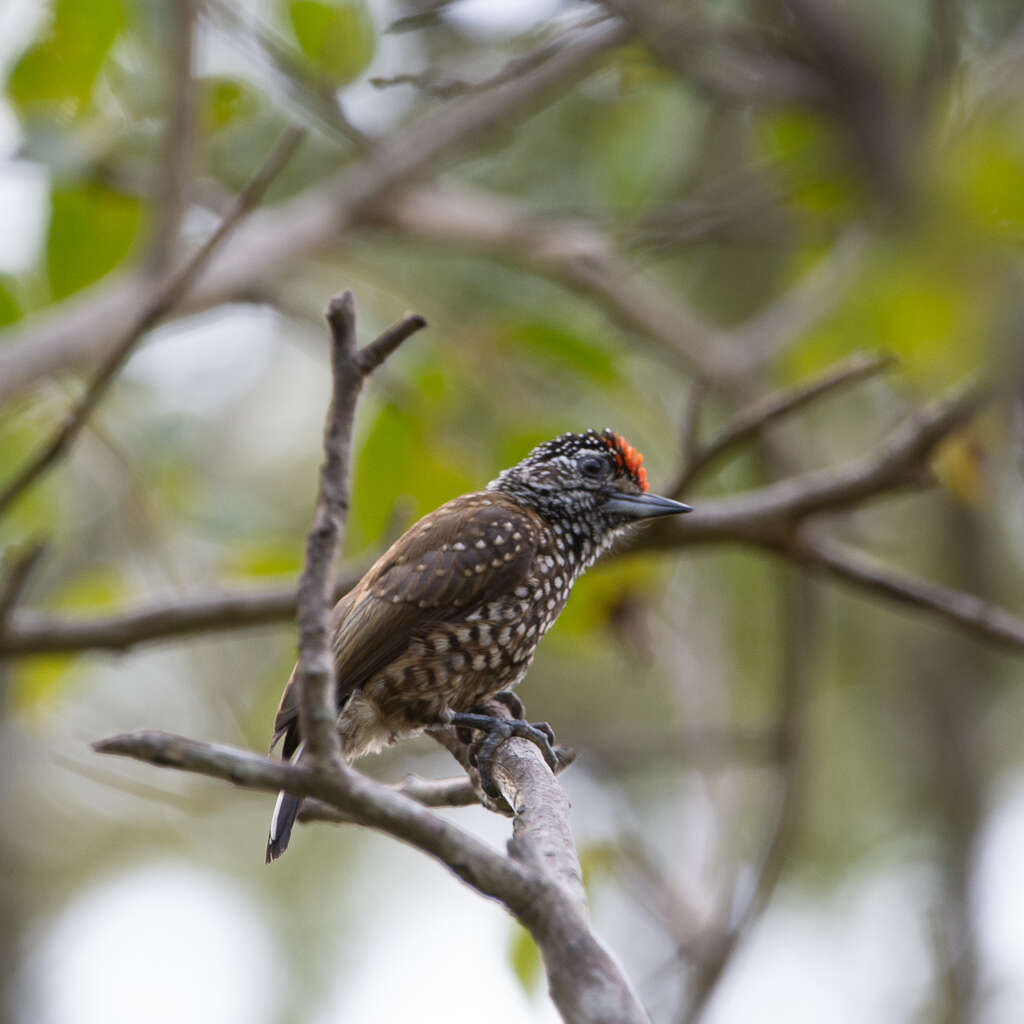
593,466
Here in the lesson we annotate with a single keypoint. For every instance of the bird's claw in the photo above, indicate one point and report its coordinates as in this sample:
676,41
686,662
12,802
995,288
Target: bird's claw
495,731
512,701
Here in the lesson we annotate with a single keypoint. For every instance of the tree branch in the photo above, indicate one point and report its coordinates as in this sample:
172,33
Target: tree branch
763,412
535,883
315,669
769,515
540,881
35,632
971,614
160,298
270,244
454,792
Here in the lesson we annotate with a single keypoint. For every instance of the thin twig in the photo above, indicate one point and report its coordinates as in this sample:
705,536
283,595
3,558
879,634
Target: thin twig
165,296
730,926
769,515
273,244
314,96
433,83
315,671
763,412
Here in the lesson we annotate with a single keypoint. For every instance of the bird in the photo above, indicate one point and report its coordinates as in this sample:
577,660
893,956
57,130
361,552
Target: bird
451,614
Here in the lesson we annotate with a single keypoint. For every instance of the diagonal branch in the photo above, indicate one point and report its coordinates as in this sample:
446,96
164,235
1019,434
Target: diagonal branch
769,515
273,242
538,882
971,614
161,298
762,413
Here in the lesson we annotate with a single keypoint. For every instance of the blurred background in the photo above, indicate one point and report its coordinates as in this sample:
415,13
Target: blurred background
794,799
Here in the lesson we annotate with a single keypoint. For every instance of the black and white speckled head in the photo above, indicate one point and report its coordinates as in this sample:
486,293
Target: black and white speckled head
591,485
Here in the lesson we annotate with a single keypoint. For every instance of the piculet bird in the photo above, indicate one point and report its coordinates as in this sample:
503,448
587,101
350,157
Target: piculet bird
451,614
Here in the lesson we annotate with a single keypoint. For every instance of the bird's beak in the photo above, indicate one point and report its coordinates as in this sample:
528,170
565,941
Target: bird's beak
644,506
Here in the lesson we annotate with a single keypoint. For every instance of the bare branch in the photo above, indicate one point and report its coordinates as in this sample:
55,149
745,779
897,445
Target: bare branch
970,614
433,82
34,632
577,254
584,258
762,413
586,984
161,298
769,515
272,243
454,792
372,355
315,670
856,90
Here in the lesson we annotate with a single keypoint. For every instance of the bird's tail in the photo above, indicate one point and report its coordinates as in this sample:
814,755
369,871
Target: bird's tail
285,812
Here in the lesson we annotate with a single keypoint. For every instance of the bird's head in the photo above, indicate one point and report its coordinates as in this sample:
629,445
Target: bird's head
595,480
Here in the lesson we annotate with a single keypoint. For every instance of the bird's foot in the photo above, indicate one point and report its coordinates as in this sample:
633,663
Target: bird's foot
495,730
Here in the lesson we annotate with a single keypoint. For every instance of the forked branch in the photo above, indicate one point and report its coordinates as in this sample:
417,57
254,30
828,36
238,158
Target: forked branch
539,881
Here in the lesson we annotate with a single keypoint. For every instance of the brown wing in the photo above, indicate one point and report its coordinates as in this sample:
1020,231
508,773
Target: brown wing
453,561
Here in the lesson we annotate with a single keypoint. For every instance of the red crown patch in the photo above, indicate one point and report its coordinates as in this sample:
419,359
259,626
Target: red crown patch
627,457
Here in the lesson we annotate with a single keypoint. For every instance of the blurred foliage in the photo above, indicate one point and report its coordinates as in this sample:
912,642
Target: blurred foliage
57,74
91,232
338,39
200,468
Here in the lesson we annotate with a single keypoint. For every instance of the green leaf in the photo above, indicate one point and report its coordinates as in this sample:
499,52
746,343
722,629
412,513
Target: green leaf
92,229
564,348
223,100
808,152
524,958
981,176
337,39
58,73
